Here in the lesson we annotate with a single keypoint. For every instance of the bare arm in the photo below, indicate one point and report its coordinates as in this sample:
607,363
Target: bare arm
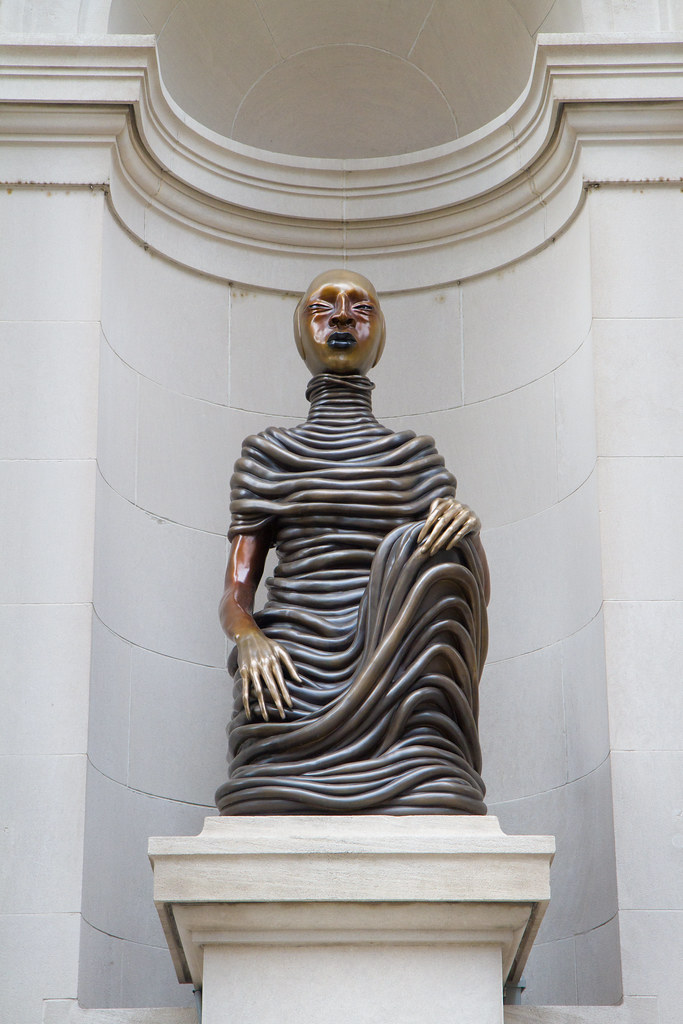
261,661
242,576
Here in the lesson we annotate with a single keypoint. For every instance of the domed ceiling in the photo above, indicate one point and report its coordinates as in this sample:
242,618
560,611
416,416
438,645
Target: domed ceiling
344,78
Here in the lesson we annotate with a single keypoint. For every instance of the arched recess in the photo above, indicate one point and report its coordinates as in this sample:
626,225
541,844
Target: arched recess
348,80
505,385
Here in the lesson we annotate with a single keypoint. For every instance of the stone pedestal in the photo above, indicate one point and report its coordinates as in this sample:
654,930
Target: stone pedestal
351,920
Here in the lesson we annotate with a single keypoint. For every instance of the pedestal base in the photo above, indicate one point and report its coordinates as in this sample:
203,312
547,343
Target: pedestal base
351,919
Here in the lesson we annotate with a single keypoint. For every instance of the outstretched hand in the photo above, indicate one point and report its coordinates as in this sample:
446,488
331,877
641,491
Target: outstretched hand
261,661
447,523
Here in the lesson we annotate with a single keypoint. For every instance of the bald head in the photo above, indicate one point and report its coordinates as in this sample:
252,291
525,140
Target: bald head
338,323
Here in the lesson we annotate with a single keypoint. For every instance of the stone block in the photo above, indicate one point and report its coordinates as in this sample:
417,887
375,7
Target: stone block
351,918
523,321
48,390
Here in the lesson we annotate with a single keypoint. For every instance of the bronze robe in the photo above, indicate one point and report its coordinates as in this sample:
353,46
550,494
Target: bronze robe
389,643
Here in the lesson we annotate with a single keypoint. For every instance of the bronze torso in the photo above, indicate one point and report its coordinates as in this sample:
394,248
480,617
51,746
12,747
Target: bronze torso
388,642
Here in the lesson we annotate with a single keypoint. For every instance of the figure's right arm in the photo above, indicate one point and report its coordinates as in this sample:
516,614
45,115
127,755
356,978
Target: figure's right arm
245,567
260,660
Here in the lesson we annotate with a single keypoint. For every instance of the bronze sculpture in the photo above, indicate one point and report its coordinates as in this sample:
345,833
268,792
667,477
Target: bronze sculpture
376,612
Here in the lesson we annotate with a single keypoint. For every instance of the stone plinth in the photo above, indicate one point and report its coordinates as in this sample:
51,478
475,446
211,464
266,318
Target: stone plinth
351,919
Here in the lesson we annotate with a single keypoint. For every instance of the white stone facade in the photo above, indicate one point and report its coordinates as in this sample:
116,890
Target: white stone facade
149,268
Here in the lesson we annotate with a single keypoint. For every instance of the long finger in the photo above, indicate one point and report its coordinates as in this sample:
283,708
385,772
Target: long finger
272,689
471,526
259,696
245,692
289,665
277,669
446,534
438,505
435,510
444,522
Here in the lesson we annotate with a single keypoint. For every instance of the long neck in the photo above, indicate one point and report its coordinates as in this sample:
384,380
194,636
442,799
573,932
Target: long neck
340,399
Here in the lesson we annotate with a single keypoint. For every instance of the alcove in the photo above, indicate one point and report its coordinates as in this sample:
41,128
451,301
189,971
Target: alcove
499,370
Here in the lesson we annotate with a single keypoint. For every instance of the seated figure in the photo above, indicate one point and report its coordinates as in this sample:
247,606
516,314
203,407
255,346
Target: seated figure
356,687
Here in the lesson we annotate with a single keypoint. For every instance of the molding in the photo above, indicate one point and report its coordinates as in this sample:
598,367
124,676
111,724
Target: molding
634,1010
94,110
67,1011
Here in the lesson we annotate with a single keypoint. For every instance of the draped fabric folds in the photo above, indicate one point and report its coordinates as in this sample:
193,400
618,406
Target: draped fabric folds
389,643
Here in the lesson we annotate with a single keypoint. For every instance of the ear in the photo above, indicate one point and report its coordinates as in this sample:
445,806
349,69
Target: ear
383,338
297,327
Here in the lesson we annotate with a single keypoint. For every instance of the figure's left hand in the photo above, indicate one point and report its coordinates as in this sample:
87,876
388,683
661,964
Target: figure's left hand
447,523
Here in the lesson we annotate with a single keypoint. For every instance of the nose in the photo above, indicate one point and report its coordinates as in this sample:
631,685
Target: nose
342,315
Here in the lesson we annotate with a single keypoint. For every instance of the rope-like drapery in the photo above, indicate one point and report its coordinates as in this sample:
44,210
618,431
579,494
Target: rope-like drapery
389,642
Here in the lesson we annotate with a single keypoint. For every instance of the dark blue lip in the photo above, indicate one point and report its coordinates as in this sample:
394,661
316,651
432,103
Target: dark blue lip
341,339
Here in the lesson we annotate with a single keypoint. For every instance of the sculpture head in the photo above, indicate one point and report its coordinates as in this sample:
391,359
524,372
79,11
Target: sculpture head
339,325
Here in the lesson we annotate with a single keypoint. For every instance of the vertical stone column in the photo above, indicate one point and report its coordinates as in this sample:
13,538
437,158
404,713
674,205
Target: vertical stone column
49,345
637,240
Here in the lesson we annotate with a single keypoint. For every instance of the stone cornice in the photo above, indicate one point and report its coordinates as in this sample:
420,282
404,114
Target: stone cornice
420,218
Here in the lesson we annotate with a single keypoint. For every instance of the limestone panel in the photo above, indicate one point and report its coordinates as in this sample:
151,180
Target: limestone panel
46,665
178,715
46,524
42,962
48,390
117,426
168,323
266,371
502,452
585,698
269,116
636,251
99,968
638,375
185,454
148,977
526,319
550,974
125,16
403,978
545,575
494,53
522,710
598,965
652,952
117,881
568,15
575,419
233,41
46,276
640,499
582,880
41,797
643,642
393,28
648,825
109,718
421,368
157,583
534,13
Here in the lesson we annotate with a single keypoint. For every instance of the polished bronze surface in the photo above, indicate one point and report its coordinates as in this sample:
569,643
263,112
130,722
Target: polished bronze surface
339,325
357,685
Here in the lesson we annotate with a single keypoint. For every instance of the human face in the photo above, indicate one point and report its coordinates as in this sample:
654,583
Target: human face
341,326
